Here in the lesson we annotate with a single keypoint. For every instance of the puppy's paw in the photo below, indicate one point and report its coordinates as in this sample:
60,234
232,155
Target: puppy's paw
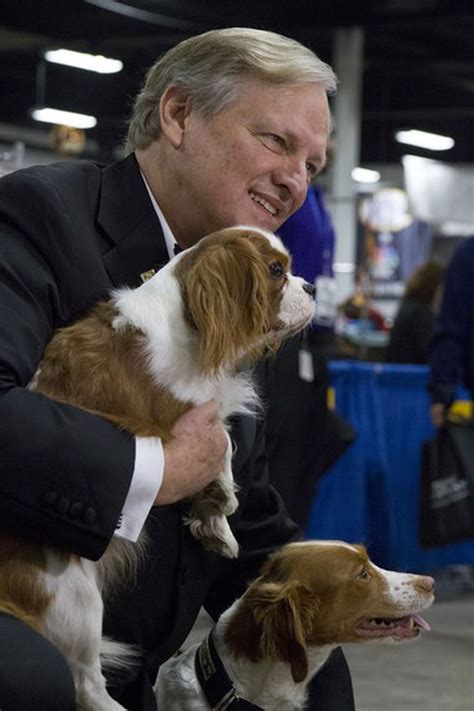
218,498
215,535
228,549
231,505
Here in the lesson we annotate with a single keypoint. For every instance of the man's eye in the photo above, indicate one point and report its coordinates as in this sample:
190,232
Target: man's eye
276,270
312,170
276,140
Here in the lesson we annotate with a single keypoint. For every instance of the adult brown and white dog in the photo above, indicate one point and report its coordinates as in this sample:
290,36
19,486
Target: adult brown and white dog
141,360
310,597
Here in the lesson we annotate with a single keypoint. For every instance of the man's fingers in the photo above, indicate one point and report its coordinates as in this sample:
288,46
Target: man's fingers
195,455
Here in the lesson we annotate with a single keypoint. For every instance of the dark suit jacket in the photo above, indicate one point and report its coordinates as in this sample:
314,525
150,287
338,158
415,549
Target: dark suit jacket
411,333
68,233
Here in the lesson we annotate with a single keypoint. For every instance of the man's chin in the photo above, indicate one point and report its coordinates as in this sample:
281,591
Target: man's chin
269,223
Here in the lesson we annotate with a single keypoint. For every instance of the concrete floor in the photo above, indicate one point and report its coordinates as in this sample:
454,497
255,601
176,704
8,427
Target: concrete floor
435,673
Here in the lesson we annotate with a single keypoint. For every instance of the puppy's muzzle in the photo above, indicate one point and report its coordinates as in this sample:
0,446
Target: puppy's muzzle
310,289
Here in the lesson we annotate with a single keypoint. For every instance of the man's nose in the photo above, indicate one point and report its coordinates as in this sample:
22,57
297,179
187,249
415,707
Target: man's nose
293,175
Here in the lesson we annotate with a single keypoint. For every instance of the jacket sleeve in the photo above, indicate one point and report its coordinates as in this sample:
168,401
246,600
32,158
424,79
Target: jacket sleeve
64,474
448,349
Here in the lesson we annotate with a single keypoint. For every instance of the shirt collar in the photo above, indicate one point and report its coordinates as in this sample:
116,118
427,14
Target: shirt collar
168,235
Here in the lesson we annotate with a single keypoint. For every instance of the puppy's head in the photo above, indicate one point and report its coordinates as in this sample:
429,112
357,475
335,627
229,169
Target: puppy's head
240,296
324,593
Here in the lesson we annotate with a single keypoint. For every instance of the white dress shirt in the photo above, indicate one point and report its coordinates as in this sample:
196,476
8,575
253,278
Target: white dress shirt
149,457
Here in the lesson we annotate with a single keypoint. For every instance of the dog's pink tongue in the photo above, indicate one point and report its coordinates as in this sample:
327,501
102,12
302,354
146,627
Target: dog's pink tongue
422,623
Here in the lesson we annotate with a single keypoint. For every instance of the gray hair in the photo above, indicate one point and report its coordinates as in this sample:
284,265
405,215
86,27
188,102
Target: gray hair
212,67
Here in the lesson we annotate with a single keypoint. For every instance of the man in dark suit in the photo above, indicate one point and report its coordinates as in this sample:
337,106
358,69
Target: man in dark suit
229,128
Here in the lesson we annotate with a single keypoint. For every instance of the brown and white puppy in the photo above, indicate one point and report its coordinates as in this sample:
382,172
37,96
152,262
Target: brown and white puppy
140,360
310,598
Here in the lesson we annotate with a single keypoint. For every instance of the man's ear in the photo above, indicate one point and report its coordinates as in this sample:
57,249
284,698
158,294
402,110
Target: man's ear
175,107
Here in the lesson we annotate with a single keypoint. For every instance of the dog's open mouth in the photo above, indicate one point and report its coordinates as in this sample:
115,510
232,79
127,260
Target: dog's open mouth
397,628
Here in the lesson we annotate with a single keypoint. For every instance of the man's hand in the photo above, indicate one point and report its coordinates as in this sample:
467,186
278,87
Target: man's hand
195,455
438,414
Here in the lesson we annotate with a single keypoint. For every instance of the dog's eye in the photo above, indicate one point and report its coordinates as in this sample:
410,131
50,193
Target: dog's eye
364,574
276,270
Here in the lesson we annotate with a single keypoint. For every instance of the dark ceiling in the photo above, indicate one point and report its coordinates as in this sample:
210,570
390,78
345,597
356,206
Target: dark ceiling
418,60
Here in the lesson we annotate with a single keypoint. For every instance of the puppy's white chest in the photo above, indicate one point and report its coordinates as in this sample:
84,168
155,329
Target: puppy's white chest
234,394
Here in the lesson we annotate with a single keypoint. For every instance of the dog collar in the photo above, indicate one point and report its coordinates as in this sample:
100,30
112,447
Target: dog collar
218,689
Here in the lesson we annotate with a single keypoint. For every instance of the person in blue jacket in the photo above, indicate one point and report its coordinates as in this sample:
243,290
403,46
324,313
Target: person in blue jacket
451,356
309,236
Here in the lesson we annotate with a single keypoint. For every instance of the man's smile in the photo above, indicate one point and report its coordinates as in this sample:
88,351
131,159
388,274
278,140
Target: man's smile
264,203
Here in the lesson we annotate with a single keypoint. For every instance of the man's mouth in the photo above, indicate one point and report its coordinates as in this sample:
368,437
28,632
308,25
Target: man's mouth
264,203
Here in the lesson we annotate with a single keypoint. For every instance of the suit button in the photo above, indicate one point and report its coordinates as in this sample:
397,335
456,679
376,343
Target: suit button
49,498
89,516
62,505
75,509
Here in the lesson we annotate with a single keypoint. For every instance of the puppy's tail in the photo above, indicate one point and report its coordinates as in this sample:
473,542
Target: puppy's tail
118,657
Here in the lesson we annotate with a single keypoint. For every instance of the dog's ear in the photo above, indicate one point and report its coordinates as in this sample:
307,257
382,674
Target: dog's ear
286,612
226,297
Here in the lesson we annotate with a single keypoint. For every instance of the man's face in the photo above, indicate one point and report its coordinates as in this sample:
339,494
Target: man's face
252,162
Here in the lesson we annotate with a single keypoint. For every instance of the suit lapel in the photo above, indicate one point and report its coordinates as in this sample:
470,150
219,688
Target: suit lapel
131,224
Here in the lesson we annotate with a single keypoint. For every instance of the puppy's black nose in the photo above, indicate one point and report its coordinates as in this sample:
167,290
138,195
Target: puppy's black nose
310,289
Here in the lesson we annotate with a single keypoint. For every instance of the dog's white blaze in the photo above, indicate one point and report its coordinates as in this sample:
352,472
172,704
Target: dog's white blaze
402,590
275,241
336,544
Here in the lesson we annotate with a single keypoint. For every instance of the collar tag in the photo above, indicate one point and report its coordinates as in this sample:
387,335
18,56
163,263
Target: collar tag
145,276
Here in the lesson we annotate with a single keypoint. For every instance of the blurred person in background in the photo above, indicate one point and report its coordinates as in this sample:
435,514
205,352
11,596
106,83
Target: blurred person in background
451,357
412,330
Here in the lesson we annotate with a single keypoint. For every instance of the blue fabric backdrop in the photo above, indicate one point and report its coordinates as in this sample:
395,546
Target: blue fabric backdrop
371,495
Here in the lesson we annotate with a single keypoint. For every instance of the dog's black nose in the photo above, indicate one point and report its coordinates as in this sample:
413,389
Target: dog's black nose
310,289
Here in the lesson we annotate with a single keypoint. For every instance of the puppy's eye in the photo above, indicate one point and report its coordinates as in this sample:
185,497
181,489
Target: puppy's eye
276,270
364,574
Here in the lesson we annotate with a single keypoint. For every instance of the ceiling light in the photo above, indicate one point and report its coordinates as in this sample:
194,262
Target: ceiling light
91,62
66,118
422,139
364,175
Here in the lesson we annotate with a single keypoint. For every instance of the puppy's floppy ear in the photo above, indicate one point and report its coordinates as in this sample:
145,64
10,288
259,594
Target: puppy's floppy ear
285,612
226,295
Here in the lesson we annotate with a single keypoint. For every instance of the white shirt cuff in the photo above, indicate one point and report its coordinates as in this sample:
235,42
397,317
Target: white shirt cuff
146,482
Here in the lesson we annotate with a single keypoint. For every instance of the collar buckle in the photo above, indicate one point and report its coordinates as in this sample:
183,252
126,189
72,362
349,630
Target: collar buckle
227,700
